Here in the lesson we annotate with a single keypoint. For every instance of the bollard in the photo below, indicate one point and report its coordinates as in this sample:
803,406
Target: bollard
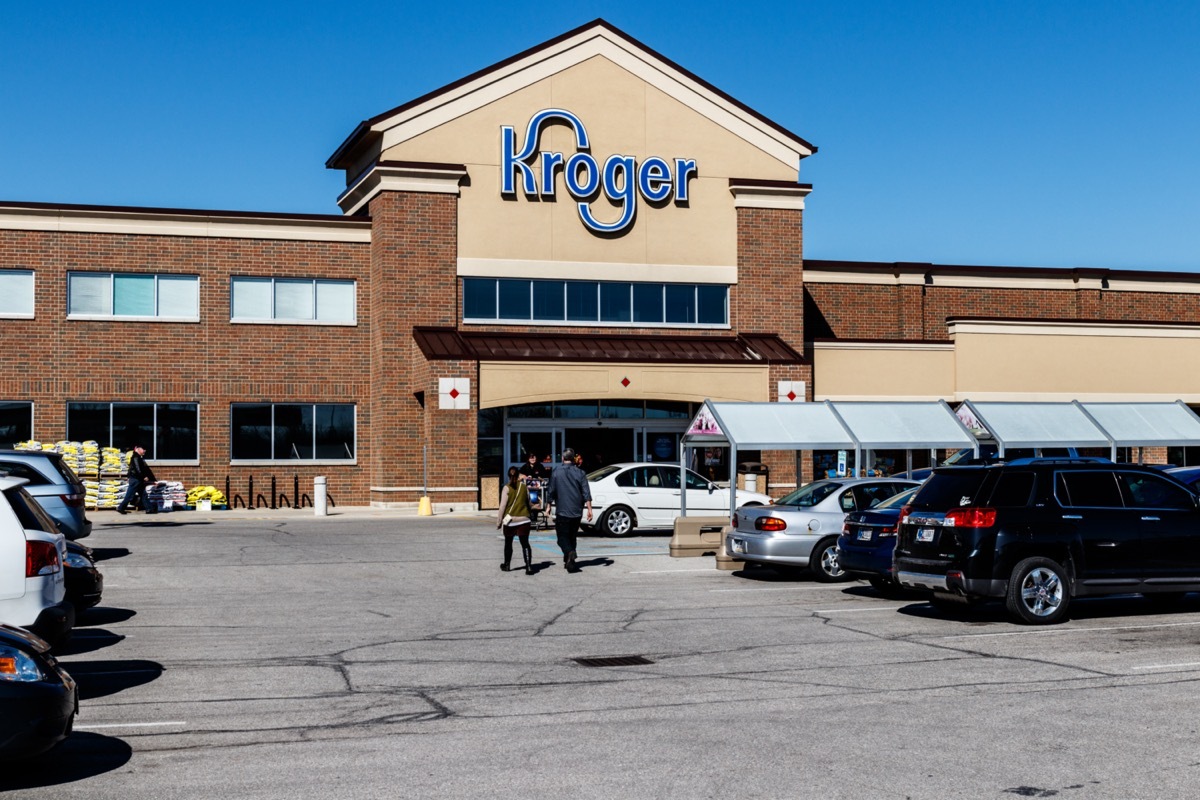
319,496
424,507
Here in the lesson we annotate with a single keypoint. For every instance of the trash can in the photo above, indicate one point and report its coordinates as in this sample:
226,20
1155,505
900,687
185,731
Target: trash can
751,472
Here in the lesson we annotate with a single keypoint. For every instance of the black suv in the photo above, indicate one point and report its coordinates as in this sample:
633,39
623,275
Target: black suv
1038,532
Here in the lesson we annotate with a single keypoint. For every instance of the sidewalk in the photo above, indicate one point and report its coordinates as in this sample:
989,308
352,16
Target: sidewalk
108,516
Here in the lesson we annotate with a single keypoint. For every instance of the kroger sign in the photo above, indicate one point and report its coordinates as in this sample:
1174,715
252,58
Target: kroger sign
620,178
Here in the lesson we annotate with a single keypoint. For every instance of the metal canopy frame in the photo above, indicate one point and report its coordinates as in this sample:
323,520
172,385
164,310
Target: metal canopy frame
836,434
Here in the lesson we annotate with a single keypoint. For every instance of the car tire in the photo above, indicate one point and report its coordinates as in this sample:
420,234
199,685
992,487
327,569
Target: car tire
618,521
1038,593
824,562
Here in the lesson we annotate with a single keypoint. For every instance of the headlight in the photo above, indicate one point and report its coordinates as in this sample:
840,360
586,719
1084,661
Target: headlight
78,560
16,665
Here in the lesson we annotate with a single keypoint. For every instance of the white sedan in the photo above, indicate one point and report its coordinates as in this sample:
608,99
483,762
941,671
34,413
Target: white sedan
647,496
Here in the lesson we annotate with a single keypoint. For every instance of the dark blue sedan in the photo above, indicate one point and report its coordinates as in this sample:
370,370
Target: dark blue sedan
868,538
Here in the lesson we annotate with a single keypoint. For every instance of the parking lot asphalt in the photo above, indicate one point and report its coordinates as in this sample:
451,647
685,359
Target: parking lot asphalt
277,655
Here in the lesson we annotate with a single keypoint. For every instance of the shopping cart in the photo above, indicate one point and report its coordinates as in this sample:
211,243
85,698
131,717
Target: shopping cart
539,507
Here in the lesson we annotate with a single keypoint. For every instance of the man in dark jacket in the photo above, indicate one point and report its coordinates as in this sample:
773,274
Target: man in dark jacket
569,493
140,476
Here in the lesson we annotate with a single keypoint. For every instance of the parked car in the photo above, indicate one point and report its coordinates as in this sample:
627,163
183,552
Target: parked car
39,698
868,537
801,530
1188,475
32,552
55,485
646,495
990,454
1039,532
84,583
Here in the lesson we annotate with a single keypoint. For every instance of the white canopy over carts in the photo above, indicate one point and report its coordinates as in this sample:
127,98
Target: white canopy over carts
919,425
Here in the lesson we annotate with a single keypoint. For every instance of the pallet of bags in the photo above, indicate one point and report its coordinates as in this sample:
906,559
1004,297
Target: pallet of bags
198,496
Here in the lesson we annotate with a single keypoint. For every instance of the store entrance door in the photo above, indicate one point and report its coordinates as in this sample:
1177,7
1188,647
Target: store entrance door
601,446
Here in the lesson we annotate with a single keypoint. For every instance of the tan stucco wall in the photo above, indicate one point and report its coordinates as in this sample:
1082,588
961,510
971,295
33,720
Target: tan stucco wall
622,114
883,373
1082,367
504,383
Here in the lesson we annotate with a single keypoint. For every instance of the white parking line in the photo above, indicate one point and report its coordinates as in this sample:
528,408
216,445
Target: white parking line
1169,666
175,724
671,571
856,610
775,589
1074,630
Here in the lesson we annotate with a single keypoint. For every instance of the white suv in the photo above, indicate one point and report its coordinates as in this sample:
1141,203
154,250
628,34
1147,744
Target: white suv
32,554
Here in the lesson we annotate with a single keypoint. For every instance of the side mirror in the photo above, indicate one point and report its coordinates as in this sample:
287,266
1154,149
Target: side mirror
712,487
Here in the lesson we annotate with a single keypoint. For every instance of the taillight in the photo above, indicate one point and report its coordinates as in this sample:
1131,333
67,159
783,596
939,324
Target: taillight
971,518
886,532
845,527
72,500
41,558
735,521
770,524
903,518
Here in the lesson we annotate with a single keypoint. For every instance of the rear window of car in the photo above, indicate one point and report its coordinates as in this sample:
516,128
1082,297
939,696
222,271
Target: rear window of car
17,469
29,513
951,488
808,496
64,470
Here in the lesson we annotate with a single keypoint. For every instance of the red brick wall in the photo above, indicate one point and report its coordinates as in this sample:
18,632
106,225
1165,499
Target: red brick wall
51,361
767,299
919,312
414,258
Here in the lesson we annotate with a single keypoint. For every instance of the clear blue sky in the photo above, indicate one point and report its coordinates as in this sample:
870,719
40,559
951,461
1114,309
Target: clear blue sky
1051,133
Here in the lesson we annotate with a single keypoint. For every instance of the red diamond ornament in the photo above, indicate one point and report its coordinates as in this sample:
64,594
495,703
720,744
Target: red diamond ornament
454,394
791,395
625,382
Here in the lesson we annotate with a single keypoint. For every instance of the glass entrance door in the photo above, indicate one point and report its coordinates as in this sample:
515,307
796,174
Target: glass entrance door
602,445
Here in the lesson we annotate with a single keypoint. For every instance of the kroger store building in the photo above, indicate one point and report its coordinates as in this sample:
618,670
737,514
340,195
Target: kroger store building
574,247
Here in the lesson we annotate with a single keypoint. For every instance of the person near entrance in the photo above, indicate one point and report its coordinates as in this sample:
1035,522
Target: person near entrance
514,517
569,493
532,468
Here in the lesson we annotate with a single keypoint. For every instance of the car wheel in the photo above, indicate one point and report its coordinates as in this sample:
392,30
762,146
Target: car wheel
618,521
824,562
1038,592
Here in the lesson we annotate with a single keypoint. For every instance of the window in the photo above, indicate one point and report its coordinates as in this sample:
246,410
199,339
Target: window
16,423
138,296
1013,489
292,431
292,300
1088,490
16,293
592,302
1151,491
168,431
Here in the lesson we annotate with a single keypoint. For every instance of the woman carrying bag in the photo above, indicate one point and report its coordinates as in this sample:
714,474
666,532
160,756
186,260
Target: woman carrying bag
513,516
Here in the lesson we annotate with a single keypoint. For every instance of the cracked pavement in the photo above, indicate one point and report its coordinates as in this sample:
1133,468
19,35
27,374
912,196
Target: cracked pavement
283,657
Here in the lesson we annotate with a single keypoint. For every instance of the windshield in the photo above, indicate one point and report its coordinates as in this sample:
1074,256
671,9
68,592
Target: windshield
808,496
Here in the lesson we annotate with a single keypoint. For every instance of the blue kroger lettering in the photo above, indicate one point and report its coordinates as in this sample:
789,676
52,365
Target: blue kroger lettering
621,179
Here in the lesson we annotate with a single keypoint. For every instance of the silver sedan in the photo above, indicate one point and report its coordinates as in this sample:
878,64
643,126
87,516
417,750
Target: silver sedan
800,531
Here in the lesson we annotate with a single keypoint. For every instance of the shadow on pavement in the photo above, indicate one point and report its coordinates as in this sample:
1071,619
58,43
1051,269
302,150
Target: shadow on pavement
107,553
103,615
102,678
595,562
83,755
87,640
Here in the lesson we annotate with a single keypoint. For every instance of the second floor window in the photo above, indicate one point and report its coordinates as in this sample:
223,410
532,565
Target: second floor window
16,293
292,300
92,295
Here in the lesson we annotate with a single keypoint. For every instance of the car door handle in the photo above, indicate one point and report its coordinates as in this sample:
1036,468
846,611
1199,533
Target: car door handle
1072,516
1106,544
676,493
631,491
1150,519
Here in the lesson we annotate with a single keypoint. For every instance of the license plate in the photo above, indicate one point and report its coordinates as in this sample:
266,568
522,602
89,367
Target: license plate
864,536
925,534
739,546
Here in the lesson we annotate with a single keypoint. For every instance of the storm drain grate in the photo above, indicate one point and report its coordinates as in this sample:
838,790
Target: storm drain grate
613,661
